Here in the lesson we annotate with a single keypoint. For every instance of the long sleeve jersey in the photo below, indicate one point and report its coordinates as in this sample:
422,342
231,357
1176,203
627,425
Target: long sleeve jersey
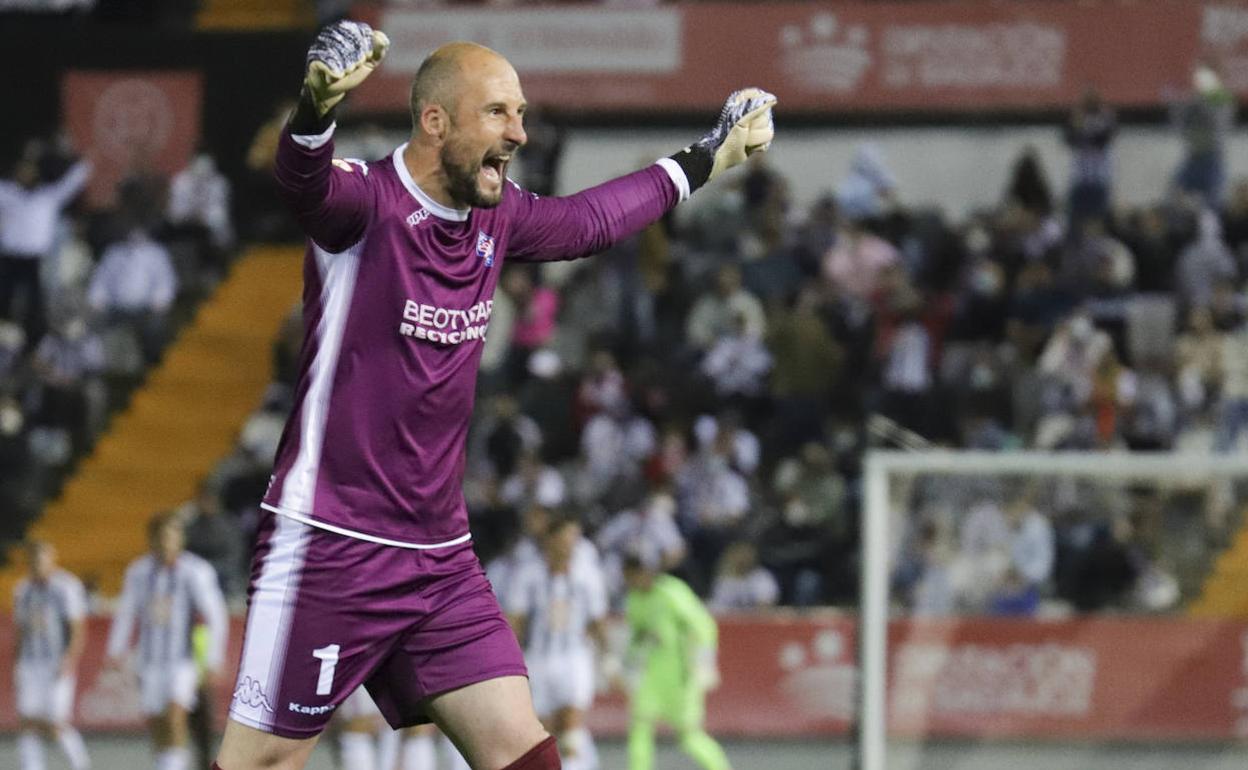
163,600
398,291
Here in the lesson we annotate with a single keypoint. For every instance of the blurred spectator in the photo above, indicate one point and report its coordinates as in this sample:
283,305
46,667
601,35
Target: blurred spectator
856,260
727,432
1029,185
1205,120
648,530
1073,354
1203,264
741,583
66,360
30,210
1094,263
724,309
268,219
869,187
1235,221
134,286
533,483
603,388
737,363
542,152
216,537
807,371
1115,389
907,378
1233,403
924,575
811,492
1089,132
508,435
614,447
1198,354
714,499
536,311
199,197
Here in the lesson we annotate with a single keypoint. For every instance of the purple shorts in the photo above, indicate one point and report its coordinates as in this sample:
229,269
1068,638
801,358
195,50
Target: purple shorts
328,613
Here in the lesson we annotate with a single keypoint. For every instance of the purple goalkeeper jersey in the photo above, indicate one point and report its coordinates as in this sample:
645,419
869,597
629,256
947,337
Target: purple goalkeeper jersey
397,298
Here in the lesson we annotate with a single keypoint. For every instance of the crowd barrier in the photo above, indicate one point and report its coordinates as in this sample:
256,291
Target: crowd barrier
792,676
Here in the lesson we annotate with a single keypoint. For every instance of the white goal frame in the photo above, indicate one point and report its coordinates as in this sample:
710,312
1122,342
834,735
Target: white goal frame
878,470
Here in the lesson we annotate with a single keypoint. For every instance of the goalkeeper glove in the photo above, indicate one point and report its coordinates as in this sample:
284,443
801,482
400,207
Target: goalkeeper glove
342,55
340,58
745,127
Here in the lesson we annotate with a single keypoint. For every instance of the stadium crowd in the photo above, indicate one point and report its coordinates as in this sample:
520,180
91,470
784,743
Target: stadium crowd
704,390
89,297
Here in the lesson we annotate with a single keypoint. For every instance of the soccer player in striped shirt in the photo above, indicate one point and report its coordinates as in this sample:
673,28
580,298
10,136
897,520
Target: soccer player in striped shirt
164,592
364,569
49,609
557,605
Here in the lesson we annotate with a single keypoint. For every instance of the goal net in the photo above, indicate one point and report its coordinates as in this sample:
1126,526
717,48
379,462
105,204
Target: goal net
1034,610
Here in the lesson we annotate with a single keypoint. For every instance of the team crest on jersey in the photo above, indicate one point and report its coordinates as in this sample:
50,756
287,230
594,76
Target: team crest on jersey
485,248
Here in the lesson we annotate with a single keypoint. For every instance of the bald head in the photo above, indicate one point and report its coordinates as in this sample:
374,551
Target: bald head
442,74
467,121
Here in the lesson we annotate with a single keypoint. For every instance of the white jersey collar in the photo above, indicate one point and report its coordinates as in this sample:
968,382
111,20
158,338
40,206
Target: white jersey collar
435,208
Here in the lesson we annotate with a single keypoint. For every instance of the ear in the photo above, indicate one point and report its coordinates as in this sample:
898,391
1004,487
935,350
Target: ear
435,121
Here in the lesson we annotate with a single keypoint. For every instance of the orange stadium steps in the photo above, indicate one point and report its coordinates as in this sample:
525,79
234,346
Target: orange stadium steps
1223,594
179,424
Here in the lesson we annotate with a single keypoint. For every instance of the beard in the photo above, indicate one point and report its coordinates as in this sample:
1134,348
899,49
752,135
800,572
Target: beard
461,179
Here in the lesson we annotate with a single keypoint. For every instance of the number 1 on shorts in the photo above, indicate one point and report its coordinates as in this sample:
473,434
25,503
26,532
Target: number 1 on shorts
328,656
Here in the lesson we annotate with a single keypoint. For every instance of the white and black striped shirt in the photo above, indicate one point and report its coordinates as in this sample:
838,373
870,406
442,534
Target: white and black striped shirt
559,608
165,599
45,611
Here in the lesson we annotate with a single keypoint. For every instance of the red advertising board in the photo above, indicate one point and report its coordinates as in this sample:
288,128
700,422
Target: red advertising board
933,55
131,121
1135,679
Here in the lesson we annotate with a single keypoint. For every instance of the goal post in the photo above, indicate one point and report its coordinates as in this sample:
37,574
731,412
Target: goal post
882,471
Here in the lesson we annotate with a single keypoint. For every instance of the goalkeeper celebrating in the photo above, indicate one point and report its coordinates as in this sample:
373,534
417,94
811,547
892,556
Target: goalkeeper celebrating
672,653
364,571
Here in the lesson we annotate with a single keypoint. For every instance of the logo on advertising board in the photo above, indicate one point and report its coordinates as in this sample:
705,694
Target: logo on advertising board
824,56
1016,54
1047,679
485,248
819,675
113,698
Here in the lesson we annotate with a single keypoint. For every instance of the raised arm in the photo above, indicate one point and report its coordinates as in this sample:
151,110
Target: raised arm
331,200
71,182
579,225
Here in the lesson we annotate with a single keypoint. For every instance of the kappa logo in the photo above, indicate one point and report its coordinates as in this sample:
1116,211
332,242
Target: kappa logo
299,708
417,216
485,248
250,693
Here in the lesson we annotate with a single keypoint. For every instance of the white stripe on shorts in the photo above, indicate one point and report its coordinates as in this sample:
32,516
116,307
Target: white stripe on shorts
268,624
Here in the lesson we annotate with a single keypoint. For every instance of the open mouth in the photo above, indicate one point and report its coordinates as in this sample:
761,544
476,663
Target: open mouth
494,167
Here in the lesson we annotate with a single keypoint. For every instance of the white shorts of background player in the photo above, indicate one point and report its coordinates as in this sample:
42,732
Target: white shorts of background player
42,694
161,685
565,680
